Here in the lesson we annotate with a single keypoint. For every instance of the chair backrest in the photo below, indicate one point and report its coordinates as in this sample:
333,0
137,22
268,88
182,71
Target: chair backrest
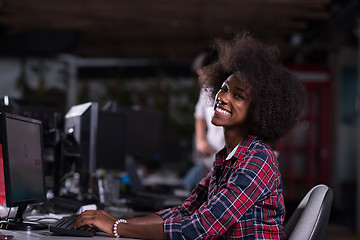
311,217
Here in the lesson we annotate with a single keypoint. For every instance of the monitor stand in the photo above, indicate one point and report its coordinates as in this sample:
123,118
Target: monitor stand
18,222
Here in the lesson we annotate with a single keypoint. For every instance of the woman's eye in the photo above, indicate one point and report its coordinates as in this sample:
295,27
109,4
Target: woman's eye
238,96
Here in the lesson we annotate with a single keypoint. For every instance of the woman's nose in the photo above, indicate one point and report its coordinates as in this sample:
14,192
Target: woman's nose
223,98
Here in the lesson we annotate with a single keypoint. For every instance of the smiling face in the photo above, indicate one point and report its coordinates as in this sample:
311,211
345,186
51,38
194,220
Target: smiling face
232,103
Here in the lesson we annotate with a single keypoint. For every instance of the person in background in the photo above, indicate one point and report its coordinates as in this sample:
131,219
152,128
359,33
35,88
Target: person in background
209,138
257,100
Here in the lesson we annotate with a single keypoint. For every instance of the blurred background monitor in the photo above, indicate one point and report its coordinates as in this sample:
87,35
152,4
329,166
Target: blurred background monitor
111,142
144,132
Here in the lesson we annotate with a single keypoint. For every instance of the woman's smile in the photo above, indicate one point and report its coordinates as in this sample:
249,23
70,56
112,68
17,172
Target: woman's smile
221,111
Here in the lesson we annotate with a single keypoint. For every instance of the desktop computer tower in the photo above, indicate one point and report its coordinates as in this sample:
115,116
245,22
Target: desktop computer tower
93,139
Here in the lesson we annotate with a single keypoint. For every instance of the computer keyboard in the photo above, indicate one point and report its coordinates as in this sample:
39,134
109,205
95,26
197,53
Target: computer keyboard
64,226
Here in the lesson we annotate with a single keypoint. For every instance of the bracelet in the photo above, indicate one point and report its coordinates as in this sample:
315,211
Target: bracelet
116,234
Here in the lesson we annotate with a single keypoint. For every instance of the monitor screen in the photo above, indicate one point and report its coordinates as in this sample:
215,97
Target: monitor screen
111,141
22,148
144,133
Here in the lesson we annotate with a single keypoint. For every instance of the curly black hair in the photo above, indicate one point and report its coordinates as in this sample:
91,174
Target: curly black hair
277,96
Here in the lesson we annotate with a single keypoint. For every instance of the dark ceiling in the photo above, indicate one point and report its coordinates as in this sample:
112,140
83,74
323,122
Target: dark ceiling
167,29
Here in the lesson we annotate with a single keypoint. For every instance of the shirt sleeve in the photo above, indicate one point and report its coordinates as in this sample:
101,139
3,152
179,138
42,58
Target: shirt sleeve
238,196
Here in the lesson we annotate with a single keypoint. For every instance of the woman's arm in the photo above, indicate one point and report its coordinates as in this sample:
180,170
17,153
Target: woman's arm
147,227
202,144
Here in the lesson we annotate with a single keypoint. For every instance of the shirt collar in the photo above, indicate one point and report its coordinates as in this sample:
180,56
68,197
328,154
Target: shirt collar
232,152
241,148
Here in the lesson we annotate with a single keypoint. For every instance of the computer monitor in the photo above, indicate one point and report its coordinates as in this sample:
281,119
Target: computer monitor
23,159
144,132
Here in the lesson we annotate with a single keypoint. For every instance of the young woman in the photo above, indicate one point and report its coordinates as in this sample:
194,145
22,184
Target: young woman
257,101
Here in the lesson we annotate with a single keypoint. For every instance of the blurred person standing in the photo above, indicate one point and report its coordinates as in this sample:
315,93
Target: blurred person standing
209,138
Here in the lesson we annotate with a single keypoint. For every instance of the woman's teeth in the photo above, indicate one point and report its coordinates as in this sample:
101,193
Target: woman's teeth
222,111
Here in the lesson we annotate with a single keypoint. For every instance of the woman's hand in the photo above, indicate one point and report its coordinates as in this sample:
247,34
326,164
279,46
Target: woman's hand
98,218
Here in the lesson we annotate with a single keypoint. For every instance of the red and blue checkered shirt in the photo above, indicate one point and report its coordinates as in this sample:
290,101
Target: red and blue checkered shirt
240,198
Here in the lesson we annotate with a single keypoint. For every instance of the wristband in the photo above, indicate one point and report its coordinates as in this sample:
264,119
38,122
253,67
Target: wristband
116,234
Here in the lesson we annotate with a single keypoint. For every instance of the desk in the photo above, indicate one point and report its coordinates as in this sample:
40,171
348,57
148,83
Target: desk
46,234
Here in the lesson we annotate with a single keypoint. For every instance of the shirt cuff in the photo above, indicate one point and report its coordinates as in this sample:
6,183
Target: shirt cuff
173,228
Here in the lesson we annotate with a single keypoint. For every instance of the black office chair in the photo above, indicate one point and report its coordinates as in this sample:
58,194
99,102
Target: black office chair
311,217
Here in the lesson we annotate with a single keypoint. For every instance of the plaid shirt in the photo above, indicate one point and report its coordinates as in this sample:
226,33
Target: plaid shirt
240,198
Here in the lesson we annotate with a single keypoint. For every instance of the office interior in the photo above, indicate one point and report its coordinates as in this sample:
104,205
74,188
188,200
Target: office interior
135,73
